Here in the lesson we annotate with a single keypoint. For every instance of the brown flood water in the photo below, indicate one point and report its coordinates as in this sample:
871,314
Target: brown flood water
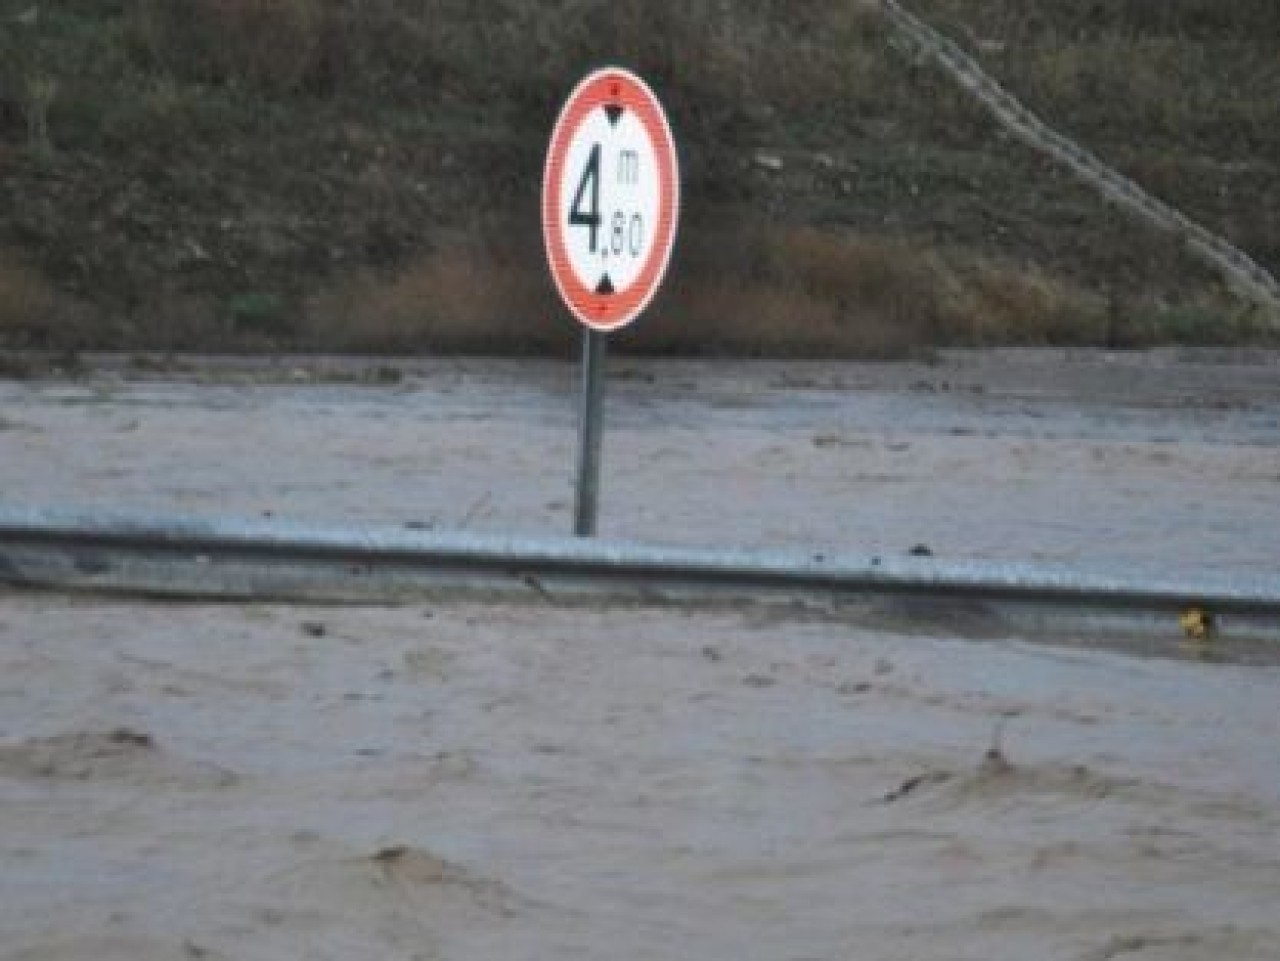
531,780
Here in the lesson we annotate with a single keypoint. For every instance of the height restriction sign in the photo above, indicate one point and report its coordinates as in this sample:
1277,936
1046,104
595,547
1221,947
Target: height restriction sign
610,198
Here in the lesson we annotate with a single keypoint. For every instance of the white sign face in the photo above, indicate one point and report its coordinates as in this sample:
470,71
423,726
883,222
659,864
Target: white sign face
610,199
612,209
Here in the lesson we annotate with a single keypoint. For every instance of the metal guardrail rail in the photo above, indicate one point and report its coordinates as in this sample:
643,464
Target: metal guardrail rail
269,559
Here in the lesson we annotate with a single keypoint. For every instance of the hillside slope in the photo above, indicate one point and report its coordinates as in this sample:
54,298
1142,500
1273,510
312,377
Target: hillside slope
344,175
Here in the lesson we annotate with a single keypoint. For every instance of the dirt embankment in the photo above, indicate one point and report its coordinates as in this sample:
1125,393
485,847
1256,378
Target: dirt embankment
322,174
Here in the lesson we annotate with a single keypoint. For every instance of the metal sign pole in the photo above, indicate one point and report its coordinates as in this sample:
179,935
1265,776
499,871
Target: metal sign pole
587,500
610,202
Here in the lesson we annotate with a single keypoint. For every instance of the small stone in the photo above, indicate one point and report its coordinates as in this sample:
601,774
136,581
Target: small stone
768,161
853,687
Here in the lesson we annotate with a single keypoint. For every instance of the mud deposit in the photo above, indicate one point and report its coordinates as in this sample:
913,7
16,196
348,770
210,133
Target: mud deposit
533,780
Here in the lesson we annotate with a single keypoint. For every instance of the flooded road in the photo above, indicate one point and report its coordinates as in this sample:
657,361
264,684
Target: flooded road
498,781
455,780
1141,461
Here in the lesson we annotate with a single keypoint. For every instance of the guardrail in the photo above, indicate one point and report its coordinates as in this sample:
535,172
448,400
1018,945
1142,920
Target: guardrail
280,561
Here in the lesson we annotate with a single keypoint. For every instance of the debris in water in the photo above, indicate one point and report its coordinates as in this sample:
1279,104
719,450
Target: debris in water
1198,624
994,762
912,784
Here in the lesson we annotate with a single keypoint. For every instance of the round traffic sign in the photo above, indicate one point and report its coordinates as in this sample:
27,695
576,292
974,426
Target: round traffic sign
610,198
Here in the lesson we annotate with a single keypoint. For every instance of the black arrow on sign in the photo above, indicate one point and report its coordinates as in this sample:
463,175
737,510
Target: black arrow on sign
615,113
605,286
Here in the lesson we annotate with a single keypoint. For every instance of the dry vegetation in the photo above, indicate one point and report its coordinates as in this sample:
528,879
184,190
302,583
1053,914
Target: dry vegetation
25,299
334,174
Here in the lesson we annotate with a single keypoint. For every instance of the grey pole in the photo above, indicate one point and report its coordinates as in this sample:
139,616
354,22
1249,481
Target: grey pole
587,500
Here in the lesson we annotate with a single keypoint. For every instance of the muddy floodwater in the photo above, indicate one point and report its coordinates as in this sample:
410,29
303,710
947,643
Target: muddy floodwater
530,780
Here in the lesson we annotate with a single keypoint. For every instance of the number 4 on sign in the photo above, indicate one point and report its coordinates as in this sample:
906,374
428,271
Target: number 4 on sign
590,178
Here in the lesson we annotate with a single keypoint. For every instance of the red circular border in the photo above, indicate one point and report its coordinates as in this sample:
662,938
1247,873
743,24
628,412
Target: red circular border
611,86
